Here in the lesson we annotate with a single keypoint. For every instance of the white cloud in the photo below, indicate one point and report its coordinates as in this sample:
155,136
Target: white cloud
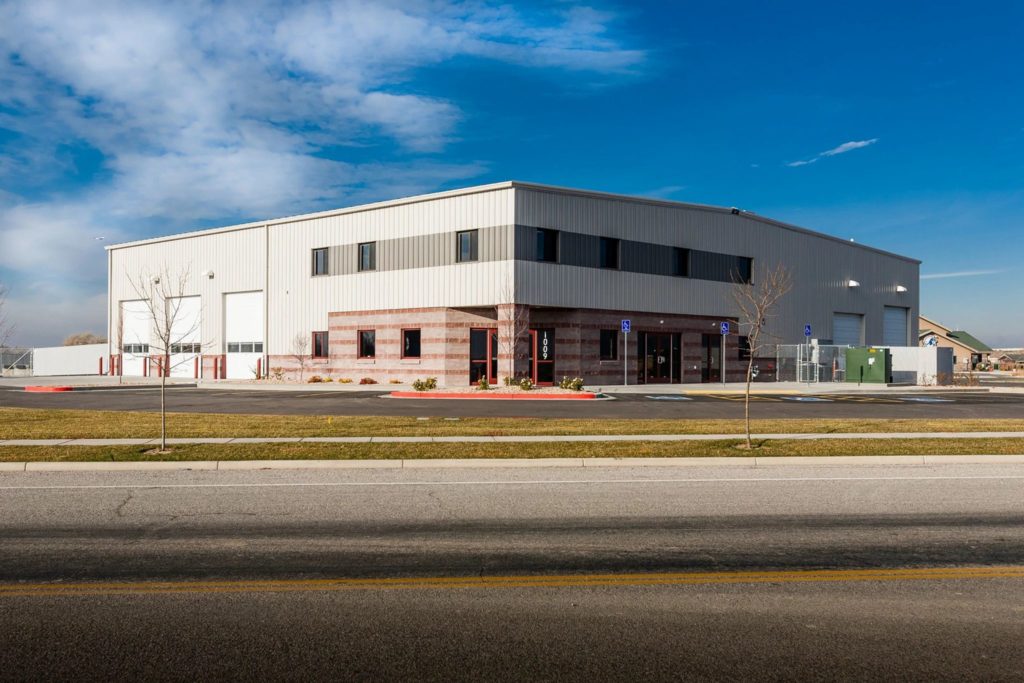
848,147
841,149
208,111
960,273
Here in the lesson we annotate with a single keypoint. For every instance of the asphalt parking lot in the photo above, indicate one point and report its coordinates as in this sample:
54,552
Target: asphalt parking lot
965,405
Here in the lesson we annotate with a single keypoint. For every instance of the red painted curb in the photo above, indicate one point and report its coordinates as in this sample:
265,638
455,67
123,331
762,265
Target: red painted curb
43,389
495,397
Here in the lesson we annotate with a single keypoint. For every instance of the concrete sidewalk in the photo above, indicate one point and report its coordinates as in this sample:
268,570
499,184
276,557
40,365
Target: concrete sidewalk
751,462
511,439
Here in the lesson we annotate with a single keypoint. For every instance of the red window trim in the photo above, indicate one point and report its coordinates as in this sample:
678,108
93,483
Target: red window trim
401,342
359,343
328,345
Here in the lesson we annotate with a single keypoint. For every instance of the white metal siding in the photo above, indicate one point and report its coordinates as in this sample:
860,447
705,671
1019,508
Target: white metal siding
894,326
69,360
847,329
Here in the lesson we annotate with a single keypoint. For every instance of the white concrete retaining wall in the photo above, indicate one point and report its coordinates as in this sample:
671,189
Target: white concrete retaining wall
921,365
69,360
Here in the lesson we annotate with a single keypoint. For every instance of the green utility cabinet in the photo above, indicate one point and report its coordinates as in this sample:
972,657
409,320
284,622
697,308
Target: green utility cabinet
865,364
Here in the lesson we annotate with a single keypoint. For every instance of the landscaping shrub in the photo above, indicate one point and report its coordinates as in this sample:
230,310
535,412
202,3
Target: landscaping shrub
315,379
394,381
277,373
425,384
574,384
483,384
526,384
328,379
368,380
345,380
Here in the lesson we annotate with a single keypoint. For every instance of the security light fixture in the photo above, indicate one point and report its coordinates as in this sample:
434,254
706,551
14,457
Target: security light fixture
734,211
853,283
900,288
209,274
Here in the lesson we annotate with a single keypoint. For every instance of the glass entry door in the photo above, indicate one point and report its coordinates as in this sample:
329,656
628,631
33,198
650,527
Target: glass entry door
658,358
710,358
483,355
542,356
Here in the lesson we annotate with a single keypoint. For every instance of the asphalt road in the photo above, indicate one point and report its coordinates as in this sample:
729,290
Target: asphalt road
187,399
357,562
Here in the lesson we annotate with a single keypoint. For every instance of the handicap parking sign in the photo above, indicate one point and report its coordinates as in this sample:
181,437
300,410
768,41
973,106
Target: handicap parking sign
725,327
807,330
626,325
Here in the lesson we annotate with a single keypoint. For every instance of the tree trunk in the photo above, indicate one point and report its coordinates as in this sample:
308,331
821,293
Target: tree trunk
746,402
163,408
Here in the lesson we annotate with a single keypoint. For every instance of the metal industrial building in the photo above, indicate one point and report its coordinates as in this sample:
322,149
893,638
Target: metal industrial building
509,278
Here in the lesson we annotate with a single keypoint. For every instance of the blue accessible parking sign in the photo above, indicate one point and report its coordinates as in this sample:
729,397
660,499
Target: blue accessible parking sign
725,327
807,330
626,325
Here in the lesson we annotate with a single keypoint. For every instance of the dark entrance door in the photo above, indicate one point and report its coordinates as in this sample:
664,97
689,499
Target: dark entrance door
710,358
658,358
542,356
483,355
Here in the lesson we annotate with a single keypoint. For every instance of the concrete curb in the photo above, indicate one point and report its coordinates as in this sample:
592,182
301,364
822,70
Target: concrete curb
525,438
513,463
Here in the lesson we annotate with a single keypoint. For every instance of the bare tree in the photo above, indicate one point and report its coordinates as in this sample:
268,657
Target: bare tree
172,327
6,328
756,303
84,338
513,329
300,352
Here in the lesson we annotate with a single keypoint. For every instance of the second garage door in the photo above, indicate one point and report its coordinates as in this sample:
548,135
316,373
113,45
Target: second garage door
847,329
894,326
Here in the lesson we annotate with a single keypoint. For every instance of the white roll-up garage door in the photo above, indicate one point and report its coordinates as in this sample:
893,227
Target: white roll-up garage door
846,329
894,326
186,335
136,325
243,333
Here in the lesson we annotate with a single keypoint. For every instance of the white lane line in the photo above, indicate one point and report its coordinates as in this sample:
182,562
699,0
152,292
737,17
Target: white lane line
538,482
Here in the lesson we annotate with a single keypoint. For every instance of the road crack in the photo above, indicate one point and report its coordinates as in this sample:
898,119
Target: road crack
120,508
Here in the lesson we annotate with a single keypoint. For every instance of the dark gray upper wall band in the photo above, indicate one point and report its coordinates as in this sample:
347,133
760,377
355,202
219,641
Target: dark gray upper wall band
494,244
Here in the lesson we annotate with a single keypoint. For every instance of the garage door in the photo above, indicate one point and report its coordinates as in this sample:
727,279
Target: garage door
243,332
846,329
186,336
136,324
894,326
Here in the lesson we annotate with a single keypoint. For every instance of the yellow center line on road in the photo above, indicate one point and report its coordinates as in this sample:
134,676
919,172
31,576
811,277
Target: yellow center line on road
539,581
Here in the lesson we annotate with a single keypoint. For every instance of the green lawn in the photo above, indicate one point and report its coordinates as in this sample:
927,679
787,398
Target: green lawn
27,423
297,451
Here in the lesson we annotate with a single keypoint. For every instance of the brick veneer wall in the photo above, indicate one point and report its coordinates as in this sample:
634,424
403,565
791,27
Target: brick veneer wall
444,344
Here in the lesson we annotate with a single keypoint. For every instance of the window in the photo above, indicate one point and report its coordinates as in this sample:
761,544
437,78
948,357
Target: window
547,245
368,256
609,344
367,343
320,261
135,349
245,347
410,343
743,270
706,265
681,262
609,253
744,348
467,246
320,345
184,348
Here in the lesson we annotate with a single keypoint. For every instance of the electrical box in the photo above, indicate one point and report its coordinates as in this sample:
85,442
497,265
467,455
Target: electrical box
868,365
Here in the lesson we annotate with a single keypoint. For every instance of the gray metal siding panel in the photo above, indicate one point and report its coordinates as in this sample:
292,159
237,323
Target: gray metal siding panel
422,251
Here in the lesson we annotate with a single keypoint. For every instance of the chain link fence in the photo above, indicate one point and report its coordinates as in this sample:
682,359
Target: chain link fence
15,362
810,364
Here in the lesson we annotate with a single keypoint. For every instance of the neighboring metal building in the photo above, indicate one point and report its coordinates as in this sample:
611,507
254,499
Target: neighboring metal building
509,278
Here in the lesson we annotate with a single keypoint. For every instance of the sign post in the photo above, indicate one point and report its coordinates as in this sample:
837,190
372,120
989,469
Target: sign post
626,325
725,333
807,345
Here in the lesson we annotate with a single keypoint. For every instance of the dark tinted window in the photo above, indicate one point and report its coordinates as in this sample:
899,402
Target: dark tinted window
547,245
410,343
320,261
681,262
368,256
367,343
320,349
744,348
467,246
609,257
609,344
706,265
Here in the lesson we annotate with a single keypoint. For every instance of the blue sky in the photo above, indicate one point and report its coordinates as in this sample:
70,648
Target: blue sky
900,125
